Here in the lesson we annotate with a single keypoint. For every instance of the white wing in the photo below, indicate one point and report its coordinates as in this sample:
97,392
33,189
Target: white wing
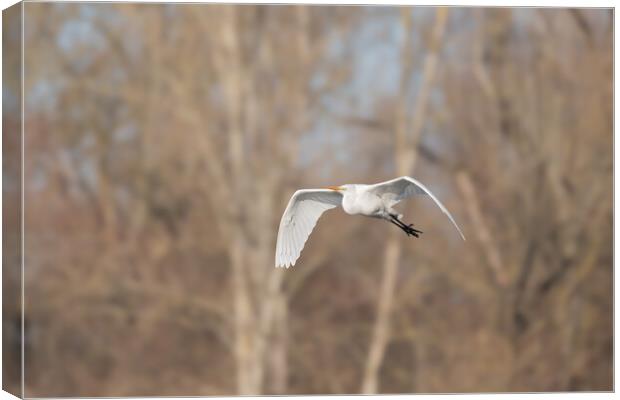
405,187
298,220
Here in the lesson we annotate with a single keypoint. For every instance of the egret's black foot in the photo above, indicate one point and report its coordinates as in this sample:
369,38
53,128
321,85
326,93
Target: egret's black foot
408,229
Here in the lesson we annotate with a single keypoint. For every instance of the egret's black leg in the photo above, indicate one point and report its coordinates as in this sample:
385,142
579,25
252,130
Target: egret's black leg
408,229
404,228
398,223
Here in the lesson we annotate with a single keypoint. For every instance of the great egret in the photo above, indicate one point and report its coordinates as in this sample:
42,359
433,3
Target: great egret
307,205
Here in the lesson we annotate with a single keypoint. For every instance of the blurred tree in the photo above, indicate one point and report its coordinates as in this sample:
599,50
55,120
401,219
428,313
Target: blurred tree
408,129
163,142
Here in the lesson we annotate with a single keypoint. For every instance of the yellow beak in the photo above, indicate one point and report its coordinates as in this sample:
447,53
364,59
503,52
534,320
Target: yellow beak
335,188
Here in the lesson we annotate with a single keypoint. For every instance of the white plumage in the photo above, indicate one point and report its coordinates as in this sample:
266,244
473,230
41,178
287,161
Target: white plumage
307,205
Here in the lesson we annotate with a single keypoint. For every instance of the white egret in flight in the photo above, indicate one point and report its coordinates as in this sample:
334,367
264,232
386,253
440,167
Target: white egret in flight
307,205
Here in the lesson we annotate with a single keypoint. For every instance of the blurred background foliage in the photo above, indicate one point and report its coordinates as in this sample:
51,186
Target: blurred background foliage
163,142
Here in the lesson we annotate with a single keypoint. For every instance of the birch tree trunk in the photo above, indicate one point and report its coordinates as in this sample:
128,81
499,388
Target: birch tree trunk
229,68
407,136
277,308
259,303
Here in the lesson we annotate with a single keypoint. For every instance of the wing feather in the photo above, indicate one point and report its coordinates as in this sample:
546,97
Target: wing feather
404,187
299,219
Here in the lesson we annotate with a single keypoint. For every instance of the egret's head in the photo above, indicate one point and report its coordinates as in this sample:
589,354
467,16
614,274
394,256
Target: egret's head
338,188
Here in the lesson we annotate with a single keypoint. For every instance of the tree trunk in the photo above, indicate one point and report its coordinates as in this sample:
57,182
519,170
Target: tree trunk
382,323
244,343
279,355
407,133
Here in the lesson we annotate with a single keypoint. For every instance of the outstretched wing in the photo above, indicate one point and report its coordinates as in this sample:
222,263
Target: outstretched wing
298,220
404,187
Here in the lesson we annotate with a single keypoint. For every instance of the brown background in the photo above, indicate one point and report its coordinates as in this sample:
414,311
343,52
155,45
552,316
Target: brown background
163,142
